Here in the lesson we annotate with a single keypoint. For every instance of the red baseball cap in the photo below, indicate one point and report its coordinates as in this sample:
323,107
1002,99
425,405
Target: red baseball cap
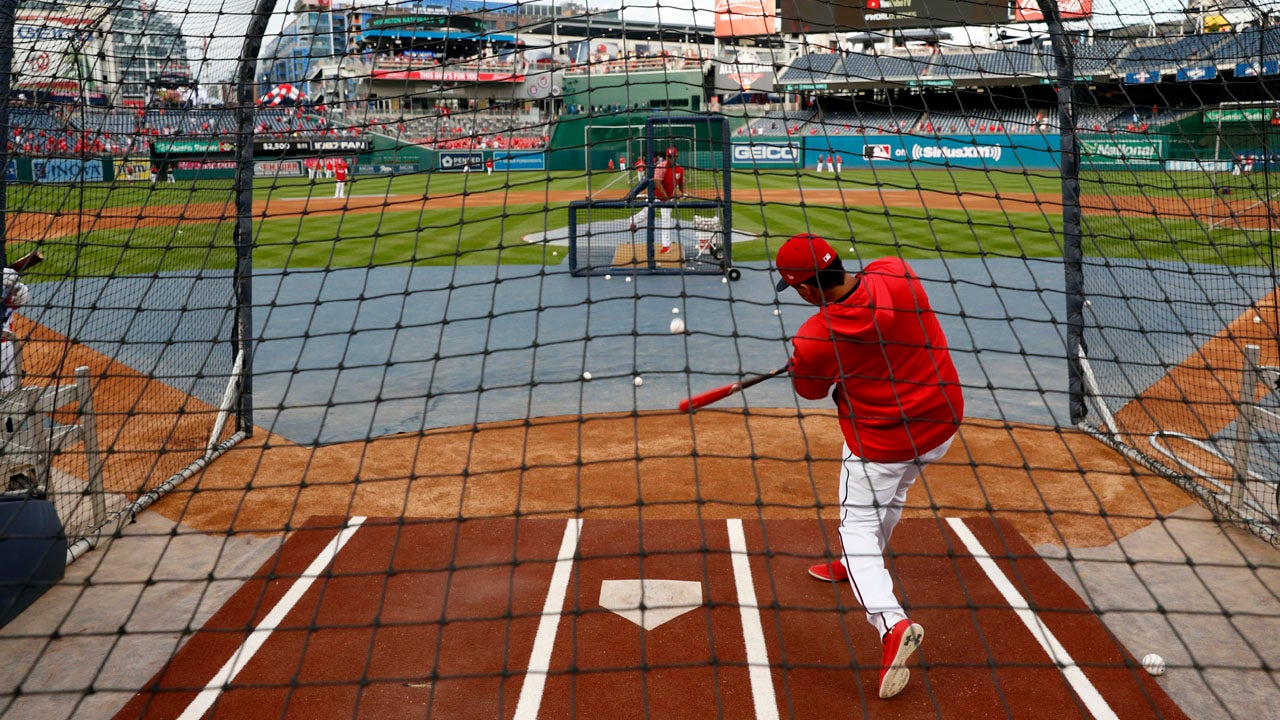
801,257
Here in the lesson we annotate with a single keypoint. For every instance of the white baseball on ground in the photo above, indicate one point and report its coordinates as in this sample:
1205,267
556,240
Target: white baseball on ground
675,311
608,277
586,375
1257,319
677,326
638,381
1153,664
776,311
628,278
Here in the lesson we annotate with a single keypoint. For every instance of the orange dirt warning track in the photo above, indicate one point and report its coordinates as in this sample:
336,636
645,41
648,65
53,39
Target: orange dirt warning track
500,618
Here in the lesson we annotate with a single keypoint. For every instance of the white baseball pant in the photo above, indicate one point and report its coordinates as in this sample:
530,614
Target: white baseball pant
872,496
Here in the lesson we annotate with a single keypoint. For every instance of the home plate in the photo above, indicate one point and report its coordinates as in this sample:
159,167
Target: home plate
650,603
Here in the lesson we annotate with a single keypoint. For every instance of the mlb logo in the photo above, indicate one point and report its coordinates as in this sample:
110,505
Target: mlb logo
877,152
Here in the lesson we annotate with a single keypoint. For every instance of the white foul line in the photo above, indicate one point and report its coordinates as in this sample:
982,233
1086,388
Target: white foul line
544,641
752,632
1080,683
252,644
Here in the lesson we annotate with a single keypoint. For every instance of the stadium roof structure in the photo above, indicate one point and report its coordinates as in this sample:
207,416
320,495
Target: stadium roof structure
1192,57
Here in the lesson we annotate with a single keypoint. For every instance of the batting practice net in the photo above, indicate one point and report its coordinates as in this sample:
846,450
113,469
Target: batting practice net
349,352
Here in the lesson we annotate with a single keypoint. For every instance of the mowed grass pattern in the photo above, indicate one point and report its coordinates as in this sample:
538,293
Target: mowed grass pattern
485,235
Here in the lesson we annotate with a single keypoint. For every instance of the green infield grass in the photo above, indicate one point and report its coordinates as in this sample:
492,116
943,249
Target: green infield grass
495,234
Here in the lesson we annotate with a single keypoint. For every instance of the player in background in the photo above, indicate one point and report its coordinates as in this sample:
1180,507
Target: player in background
640,168
340,178
16,294
664,187
877,348
488,166
676,174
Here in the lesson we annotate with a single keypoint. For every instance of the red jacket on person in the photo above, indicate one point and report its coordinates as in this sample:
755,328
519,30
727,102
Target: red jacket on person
896,387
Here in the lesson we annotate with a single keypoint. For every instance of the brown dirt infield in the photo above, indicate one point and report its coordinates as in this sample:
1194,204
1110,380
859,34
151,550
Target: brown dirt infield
1056,485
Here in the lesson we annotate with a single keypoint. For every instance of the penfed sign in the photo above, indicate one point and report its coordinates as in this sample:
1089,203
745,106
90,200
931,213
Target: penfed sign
766,154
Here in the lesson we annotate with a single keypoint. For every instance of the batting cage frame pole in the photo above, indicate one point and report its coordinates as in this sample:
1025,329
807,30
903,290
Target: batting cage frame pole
1069,165
242,334
242,327
8,12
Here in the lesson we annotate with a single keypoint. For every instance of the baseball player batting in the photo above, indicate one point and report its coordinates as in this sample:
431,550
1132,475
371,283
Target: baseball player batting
878,343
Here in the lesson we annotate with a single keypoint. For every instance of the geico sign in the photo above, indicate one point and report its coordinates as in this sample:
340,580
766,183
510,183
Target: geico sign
767,153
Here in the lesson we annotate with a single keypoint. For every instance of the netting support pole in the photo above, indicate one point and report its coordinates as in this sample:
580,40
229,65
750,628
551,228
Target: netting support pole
125,515
246,94
8,11
1069,164
224,407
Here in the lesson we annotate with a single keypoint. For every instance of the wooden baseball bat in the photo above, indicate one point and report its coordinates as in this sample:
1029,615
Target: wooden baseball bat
706,398
28,261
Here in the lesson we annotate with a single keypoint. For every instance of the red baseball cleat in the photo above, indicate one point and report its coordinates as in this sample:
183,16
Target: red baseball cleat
831,572
902,640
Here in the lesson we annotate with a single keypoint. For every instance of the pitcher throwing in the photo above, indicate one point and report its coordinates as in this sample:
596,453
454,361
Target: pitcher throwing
875,339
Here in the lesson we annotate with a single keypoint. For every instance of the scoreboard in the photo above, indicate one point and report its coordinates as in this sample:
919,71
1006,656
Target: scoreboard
811,16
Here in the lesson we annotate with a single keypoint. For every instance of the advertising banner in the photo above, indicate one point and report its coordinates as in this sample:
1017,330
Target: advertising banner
763,154
206,165
191,147
1250,69
1029,10
744,18
1142,77
1198,72
387,169
450,75
11,171
519,161
65,170
460,161
1106,151
927,151
745,71
132,170
280,168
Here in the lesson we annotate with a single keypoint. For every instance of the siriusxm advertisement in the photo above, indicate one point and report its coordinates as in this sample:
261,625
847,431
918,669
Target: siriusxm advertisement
943,151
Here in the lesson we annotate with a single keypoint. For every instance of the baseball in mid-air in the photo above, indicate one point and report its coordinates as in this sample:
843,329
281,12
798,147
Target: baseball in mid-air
638,381
586,375
1153,664
677,326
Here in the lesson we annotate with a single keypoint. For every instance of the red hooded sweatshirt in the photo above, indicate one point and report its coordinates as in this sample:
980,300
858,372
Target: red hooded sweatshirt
882,348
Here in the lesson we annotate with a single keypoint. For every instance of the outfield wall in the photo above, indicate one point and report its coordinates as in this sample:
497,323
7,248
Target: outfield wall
861,152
